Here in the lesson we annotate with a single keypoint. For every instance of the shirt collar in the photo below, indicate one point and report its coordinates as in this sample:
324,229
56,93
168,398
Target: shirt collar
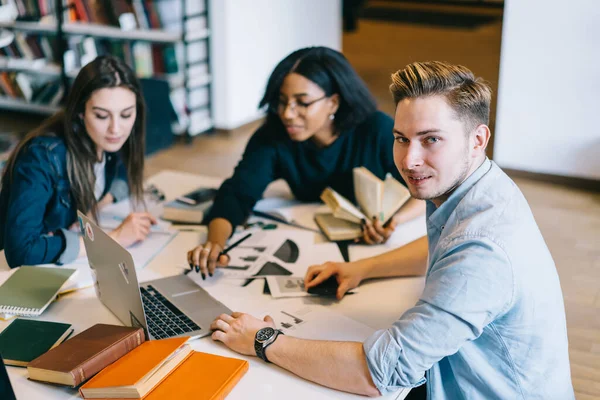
439,216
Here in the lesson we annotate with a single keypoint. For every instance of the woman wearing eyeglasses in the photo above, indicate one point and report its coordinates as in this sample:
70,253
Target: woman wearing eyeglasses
321,123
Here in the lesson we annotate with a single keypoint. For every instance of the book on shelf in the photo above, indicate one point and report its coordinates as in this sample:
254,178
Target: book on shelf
32,48
25,339
86,38
84,355
376,198
28,86
147,59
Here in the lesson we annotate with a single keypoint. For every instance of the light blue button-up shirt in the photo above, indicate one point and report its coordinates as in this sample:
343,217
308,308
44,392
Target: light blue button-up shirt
490,323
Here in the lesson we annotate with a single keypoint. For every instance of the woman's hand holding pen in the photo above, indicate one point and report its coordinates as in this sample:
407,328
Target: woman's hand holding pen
206,257
134,228
211,255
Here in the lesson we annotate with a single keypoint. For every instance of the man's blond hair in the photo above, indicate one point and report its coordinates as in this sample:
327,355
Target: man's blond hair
467,95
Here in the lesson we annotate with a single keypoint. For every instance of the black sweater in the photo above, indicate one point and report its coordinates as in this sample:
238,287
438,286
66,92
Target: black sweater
306,168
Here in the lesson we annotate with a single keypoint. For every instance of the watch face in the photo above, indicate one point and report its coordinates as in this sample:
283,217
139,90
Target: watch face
264,334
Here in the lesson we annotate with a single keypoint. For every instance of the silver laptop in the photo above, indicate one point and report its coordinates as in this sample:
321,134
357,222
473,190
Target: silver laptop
167,307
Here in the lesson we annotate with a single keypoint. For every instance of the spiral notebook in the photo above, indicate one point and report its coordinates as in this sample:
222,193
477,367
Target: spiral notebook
29,290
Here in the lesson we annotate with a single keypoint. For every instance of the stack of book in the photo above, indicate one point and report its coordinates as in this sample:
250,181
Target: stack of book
115,362
376,198
166,369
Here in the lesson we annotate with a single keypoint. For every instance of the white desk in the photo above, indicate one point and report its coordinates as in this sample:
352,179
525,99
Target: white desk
378,304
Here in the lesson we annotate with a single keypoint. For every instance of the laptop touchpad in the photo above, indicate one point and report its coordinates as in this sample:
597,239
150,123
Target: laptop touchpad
194,301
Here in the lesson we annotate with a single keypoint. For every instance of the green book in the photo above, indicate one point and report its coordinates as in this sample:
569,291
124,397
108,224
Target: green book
25,340
29,290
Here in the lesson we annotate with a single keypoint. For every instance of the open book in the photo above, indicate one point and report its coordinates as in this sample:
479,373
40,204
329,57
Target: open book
375,198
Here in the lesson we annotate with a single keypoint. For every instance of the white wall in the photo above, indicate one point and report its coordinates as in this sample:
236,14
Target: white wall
249,37
548,114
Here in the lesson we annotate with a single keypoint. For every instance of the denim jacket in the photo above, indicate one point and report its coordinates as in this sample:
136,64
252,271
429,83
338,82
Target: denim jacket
37,209
490,323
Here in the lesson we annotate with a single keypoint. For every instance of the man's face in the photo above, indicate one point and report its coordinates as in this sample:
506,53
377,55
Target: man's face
432,150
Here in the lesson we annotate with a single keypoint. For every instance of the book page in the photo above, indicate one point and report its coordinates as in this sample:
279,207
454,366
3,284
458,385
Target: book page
337,228
341,206
394,196
368,190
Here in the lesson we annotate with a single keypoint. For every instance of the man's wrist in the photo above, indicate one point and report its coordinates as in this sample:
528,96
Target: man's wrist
271,350
263,339
366,266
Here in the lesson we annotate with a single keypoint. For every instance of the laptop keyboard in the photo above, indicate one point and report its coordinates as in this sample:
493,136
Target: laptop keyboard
164,319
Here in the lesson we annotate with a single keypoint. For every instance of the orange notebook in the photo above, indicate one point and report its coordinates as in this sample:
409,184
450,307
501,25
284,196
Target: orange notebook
139,371
201,376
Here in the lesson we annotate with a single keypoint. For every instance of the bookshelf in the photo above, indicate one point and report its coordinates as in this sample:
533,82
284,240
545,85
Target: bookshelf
160,39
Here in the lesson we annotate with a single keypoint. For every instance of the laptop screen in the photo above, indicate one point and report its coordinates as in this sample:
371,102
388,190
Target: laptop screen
6,391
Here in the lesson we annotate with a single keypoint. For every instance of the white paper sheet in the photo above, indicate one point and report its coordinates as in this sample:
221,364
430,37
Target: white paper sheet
283,252
292,211
404,234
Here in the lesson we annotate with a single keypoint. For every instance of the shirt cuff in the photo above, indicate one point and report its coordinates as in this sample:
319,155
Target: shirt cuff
71,250
383,359
119,190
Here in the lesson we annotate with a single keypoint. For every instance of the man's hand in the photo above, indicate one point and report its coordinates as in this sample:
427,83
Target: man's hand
237,331
376,233
348,275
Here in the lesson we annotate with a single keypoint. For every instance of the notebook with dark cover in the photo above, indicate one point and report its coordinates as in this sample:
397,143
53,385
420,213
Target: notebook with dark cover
26,339
81,357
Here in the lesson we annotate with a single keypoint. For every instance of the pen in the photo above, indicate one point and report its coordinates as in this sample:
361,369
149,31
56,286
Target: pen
224,252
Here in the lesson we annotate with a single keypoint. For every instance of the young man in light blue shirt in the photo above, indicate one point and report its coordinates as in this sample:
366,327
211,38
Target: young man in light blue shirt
490,323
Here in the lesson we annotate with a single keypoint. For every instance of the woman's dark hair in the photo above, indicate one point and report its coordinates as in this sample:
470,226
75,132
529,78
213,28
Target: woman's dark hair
333,73
103,72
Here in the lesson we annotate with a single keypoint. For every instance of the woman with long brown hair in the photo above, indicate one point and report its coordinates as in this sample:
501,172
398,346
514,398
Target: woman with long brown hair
70,163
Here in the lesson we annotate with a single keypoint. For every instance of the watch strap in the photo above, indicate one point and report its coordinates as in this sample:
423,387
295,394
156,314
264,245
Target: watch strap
260,348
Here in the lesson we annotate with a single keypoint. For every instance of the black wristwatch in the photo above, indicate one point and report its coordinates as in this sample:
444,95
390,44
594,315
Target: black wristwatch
264,337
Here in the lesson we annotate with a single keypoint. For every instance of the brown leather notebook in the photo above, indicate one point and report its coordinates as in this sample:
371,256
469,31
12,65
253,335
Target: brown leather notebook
78,359
201,376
